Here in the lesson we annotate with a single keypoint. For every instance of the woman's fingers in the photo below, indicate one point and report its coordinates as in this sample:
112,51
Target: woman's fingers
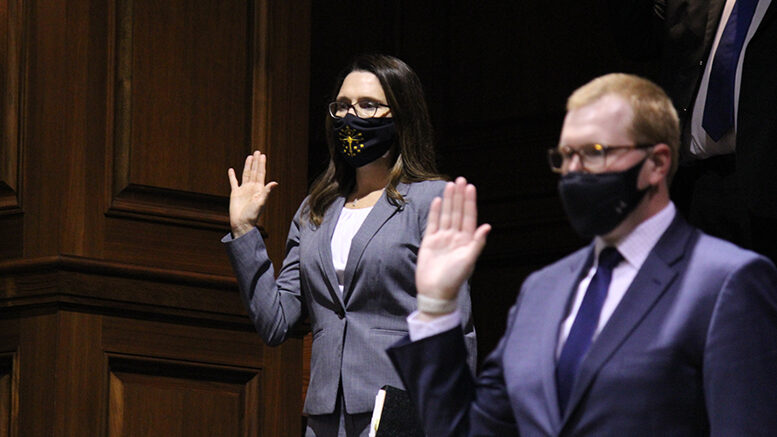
232,179
255,166
247,169
261,168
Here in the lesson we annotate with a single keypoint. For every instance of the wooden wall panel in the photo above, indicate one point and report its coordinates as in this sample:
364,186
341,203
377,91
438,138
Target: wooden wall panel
8,395
183,106
163,398
11,16
118,121
11,84
80,378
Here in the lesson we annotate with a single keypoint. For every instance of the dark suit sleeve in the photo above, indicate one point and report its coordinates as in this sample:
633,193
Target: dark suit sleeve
450,401
740,359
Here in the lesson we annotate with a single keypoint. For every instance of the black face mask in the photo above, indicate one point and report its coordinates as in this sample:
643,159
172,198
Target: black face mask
596,203
363,140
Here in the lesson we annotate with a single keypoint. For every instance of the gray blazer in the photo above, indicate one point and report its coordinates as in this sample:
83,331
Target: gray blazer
352,330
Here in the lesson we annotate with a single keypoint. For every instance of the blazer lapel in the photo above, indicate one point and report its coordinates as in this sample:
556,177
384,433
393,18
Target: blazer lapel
652,280
381,212
558,305
325,249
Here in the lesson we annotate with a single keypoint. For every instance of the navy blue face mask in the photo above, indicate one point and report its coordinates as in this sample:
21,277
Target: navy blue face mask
596,203
363,140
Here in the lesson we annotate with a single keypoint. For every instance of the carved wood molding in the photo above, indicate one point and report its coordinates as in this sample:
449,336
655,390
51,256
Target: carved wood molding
12,19
84,284
110,268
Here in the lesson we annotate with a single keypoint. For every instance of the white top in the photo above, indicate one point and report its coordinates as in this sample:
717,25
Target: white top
702,146
634,248
347,226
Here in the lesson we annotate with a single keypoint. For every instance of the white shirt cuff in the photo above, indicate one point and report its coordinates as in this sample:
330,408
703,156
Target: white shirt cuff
419,329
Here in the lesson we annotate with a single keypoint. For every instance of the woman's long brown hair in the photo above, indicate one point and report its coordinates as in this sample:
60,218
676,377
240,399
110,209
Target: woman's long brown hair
413,153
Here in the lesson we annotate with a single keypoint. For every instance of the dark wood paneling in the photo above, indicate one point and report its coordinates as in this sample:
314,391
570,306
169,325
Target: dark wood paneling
176,342
79,386
11,18
166,244
11,84
37,355
118,121
8,395
183,105
163,398
11,233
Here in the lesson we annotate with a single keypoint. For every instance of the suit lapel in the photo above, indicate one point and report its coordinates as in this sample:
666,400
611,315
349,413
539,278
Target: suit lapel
381,212
657,273
325,249
558,305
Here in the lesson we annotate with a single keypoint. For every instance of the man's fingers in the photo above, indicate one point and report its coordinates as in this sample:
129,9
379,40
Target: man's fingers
480,235
447,205
458,203
432,222
232,178
470,218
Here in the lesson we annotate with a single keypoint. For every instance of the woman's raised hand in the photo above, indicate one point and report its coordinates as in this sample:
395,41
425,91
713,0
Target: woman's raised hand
247,199
452,242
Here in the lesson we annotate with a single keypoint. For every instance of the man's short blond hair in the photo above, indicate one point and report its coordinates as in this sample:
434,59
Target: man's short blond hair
655,119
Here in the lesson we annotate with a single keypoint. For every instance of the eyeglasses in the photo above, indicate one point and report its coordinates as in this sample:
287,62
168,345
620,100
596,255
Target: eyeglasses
593,157
362,109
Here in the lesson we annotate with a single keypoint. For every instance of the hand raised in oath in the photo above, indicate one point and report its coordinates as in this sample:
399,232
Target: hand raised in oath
247,199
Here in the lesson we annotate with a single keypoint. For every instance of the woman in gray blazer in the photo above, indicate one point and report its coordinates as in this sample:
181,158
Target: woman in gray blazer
352,246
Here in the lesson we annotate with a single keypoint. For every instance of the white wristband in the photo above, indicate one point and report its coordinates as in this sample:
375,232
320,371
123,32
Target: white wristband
433,305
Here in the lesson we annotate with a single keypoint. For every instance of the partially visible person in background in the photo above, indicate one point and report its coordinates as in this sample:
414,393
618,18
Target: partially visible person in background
718,61
352,246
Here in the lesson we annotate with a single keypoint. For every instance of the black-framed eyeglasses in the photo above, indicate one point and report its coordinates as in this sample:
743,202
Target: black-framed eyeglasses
593,157
362,109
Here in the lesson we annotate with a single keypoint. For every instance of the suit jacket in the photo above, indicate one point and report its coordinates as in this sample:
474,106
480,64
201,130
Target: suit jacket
679,35
352,330
691,350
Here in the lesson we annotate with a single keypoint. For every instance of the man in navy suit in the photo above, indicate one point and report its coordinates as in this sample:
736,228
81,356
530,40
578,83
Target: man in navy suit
654,329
